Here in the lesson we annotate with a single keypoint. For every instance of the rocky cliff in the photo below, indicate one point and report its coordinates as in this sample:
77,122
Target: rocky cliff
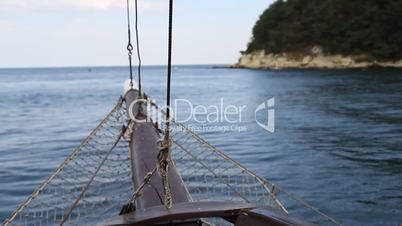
315,58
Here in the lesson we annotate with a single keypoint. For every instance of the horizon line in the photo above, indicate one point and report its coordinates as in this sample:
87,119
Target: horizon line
109,66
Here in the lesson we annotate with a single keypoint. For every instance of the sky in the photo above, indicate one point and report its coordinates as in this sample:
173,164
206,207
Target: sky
54,33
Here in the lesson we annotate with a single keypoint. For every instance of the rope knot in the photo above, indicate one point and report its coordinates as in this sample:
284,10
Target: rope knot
164,144
163,169
163,156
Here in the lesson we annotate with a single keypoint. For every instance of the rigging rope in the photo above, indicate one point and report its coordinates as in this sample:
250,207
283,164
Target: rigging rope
130,46
130,206
165,144
138,48
169,72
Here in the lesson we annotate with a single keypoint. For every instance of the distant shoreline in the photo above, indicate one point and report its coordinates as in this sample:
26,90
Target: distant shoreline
312,60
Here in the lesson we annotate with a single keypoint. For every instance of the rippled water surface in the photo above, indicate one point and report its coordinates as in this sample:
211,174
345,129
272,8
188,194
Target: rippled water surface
337,140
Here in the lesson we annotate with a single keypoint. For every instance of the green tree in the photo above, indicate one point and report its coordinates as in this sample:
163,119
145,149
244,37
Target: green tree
370,27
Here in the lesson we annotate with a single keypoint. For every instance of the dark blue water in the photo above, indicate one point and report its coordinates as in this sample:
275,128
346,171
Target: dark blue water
337,140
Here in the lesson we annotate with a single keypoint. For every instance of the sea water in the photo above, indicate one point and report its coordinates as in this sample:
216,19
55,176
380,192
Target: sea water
337,139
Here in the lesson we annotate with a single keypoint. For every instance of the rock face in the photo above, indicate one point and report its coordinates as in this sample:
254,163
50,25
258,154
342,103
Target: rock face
315,58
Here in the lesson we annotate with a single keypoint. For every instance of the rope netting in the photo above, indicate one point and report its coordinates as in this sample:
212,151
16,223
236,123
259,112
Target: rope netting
90,185
94,182
210,174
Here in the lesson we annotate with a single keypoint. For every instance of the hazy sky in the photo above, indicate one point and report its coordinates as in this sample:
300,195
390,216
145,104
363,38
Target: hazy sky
40,33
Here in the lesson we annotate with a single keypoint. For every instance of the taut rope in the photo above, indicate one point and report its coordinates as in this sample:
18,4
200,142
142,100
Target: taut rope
130,46
138,48
164,145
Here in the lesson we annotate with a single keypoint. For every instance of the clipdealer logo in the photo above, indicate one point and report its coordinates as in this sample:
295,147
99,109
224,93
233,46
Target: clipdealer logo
267,106
221,117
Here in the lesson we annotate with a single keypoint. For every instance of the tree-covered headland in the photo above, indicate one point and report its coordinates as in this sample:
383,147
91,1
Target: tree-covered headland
349,27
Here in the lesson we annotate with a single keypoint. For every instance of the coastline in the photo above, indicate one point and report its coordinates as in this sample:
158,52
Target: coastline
314,59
